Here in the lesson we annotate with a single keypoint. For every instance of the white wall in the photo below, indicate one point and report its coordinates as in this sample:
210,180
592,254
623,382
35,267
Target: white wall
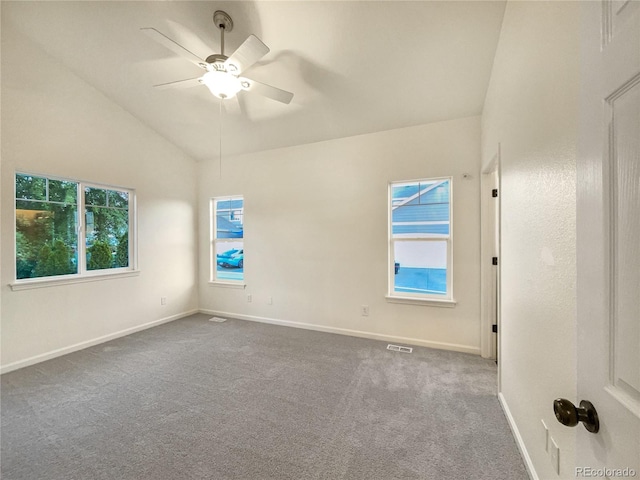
531,110
316,232
54,123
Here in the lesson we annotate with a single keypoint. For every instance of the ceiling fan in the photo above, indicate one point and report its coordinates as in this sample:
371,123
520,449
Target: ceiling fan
222,75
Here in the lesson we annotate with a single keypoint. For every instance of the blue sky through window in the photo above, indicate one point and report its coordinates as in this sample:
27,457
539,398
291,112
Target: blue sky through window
420,229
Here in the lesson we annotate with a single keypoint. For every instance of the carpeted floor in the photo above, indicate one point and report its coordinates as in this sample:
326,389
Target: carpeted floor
193,399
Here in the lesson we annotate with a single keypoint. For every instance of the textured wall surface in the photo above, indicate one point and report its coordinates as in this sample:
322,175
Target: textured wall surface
531,110
62,126
316,226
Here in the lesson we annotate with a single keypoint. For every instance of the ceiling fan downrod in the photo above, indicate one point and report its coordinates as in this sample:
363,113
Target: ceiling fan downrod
223,22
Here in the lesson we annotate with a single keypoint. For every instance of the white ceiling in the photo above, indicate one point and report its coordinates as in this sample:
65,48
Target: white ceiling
355,67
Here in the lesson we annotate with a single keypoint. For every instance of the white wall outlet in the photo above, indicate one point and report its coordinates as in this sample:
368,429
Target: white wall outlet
545,436
163,300
364,310
554,453
270,301
249,298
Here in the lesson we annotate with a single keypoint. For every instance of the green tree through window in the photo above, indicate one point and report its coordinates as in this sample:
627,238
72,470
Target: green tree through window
49,240
46,233
107,227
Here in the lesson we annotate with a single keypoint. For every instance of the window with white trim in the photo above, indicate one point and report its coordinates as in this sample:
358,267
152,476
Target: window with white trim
420,239
67,228
227,239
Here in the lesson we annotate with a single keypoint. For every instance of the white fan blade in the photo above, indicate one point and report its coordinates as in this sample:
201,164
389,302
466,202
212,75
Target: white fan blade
251,50
174,46
191,82
232,105
266,90
189,39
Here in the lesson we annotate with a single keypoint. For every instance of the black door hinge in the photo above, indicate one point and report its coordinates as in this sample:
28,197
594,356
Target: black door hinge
494,328
494,192
494,261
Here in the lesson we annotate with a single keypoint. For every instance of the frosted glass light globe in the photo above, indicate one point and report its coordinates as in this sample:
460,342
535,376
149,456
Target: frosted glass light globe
222,84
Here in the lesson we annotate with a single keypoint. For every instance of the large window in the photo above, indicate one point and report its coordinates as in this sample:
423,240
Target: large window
227,239
420,239
69,228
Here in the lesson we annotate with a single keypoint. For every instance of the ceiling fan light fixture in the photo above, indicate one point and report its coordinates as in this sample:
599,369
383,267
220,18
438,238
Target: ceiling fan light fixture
222,84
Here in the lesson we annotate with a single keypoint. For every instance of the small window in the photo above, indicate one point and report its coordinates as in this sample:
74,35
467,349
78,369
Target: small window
53,241
420,239
107,228
227,239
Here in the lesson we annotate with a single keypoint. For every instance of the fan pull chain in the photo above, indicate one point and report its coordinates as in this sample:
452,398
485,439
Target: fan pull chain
220,140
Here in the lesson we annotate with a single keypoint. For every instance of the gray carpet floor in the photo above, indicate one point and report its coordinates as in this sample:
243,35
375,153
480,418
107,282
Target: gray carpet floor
193,399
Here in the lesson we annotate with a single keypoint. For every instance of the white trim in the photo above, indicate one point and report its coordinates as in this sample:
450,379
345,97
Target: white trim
81,234
68,280
433,222
89,343
489,247
630,403
420,237
528,463
213,240
218,283
348,332
431,302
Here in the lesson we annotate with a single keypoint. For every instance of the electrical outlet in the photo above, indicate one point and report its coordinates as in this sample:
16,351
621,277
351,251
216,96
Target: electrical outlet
554,453
270,301
163,300
364,310
249,298
545,436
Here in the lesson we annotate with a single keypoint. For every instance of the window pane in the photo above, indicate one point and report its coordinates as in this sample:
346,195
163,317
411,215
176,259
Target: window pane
31,188
46,239
229,218
118,199
229,260
107,237
420,209
95,196
420,267
62,191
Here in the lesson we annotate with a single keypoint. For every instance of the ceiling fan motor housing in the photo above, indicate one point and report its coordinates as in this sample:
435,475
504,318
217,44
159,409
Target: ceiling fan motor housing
217,60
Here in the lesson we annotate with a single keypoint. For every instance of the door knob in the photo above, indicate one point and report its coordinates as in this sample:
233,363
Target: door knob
570,415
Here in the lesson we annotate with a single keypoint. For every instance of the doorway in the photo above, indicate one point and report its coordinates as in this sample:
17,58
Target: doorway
490,258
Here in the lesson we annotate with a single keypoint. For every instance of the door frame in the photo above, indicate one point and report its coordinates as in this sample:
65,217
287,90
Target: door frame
490,247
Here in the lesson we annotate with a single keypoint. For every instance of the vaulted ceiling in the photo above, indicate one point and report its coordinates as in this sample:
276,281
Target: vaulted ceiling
355,67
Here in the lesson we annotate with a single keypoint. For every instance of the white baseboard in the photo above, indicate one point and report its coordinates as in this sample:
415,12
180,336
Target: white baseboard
518,438
89,343
345,331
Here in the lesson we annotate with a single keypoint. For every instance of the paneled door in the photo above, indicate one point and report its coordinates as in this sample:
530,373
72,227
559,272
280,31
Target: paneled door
608,235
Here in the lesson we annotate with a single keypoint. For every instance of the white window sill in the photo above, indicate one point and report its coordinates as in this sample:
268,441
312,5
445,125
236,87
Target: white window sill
227,284
429,302
54,282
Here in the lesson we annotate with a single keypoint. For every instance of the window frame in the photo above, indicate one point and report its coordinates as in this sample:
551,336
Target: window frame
392,296
82,274
214,241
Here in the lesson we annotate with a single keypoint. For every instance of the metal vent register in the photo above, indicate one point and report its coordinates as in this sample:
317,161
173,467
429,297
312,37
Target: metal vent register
399,348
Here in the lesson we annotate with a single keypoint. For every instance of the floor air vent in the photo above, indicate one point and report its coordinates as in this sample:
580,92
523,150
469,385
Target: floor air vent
398,348
217,319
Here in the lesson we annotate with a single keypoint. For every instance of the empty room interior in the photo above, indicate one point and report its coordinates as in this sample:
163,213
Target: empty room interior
441,206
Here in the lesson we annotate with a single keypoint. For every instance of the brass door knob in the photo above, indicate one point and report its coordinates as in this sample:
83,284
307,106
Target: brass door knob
570,415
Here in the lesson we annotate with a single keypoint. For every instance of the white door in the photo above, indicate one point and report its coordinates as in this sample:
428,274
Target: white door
608,235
